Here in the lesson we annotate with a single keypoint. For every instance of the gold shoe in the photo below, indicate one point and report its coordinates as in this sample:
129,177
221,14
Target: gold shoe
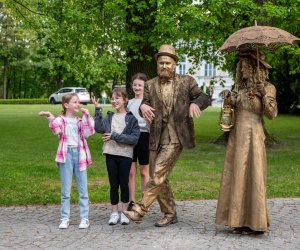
250,231
237,230
134,216
166,221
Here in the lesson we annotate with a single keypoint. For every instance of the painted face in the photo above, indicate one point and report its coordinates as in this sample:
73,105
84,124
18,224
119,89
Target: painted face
118,102
73,106
166,67
245,70
138,87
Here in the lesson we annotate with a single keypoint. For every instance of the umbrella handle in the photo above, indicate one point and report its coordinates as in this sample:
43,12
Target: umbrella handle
257,59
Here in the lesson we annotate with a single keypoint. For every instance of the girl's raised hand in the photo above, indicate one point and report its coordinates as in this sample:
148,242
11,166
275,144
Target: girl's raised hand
96,102
45,113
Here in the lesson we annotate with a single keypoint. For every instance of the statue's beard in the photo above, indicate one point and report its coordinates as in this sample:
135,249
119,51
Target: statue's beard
165,73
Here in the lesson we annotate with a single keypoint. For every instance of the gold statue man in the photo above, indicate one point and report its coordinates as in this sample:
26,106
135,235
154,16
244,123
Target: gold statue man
170,101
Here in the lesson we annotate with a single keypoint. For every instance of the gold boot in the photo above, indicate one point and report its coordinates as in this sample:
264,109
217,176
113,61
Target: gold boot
166,221
134,216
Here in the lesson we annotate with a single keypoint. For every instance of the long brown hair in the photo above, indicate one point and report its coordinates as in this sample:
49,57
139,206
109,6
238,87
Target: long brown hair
139,76
66,99
255,73
122,93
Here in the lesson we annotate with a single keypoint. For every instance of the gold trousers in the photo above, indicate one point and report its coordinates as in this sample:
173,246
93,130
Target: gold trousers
161,164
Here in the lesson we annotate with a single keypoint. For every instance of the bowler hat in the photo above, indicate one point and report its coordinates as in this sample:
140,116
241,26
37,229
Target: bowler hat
166,50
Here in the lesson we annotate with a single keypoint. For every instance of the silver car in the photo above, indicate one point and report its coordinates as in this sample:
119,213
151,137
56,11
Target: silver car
83,94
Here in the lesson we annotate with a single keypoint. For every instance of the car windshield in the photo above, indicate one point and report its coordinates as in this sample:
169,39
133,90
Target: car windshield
80,90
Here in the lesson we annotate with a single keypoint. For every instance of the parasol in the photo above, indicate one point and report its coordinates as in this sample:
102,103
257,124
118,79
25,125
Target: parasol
257,37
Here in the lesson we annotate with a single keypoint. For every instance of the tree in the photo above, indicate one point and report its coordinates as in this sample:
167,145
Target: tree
93,42
139,50
7,27
72,37
285,61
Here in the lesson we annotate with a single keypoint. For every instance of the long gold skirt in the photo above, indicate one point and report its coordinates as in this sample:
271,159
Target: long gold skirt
242,199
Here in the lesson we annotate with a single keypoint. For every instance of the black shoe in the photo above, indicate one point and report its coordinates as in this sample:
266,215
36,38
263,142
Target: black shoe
130,206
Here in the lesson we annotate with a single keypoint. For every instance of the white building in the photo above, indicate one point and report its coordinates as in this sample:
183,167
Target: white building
205,73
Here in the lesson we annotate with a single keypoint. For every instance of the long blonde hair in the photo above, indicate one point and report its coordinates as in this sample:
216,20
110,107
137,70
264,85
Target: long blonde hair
66,99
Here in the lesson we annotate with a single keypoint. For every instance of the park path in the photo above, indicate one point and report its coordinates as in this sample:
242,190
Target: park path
36,227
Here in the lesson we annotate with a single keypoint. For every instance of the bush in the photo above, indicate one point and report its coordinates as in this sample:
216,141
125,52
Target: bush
24,101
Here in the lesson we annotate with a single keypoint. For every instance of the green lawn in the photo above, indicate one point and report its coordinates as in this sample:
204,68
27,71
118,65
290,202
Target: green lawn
29,174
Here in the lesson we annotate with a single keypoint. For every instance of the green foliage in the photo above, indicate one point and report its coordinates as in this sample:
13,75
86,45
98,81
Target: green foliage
93,43
29,174
286,60
68,44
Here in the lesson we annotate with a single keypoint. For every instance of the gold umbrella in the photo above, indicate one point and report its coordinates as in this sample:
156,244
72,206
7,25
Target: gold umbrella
256,37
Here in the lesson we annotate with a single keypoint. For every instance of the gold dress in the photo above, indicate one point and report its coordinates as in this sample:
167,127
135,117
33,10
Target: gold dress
242,198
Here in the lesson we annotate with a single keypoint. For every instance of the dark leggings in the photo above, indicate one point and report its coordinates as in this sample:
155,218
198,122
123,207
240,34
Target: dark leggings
118,168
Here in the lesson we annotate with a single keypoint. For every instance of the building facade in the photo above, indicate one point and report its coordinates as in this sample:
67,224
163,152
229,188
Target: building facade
206,73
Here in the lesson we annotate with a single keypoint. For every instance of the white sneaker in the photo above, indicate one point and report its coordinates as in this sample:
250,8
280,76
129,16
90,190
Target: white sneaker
64,224
114,218
84,223
124,219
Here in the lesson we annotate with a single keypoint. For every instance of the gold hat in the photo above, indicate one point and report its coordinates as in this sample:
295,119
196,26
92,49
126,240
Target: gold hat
256,55
166,50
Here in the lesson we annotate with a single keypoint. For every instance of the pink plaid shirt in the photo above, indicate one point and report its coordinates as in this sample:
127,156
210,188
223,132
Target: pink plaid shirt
85,129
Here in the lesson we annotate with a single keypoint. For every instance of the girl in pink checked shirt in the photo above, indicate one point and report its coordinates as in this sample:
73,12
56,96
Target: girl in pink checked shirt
73,155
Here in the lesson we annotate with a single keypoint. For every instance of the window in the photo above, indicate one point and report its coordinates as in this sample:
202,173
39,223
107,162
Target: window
181,67
81,90
210,70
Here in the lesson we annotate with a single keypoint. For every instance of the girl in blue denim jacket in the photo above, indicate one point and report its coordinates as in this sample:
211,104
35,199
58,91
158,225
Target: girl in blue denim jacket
120,133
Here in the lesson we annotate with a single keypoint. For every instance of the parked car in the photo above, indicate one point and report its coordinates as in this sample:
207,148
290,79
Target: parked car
83,94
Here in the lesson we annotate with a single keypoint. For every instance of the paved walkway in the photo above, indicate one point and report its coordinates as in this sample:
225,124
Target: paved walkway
36,227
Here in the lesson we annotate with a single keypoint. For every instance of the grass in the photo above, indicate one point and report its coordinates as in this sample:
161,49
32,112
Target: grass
29,174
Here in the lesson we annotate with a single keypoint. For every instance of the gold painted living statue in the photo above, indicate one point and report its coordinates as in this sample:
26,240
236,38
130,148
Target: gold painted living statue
242,202
170,101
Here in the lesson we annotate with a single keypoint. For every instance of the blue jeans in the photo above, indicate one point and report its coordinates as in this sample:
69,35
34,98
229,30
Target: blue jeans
66,173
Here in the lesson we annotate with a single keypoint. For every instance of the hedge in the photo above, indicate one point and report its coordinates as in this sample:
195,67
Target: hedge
24,101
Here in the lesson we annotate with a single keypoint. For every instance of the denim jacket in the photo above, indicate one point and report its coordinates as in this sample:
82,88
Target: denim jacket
130,134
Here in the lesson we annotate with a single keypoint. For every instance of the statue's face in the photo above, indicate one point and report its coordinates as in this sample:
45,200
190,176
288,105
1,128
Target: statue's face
245,70
166,66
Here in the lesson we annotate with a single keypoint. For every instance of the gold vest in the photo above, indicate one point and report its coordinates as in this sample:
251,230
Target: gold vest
168,134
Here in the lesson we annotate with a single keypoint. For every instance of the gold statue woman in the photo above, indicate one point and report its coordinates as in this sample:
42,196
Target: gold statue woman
242,202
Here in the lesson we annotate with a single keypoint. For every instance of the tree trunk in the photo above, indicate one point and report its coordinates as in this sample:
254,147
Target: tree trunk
135,66
59,78
5,77
139,61
222,139
271,139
